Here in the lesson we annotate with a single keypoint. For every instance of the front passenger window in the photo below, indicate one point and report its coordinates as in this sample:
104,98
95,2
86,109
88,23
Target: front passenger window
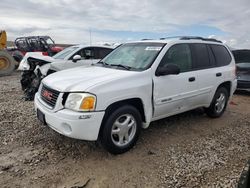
180,55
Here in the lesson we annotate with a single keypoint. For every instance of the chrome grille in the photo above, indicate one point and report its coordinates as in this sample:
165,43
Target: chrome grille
49,96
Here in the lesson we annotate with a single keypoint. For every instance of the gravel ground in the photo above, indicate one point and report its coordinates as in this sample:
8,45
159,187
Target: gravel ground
188,150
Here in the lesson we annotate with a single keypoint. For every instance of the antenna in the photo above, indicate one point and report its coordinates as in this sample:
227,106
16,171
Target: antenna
90,37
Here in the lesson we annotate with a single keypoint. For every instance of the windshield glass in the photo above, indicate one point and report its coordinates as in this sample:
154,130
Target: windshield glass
64,53
137,56
49,41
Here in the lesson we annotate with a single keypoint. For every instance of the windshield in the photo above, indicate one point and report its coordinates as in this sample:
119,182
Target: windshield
49,41
64,53
136,56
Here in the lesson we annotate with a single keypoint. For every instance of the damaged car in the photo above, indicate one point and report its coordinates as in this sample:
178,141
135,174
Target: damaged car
35,66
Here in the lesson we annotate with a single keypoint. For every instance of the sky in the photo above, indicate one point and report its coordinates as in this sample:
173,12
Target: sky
97,21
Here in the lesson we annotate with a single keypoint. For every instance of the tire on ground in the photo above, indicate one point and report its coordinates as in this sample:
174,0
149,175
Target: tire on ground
211,110
18,56
7,63
106,137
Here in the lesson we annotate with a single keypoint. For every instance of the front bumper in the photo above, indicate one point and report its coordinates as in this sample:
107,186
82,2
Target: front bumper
79,125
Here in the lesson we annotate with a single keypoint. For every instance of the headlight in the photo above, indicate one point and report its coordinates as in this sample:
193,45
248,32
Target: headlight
81,102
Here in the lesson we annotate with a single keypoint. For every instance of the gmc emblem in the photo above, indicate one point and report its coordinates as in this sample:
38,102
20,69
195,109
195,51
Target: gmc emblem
47,94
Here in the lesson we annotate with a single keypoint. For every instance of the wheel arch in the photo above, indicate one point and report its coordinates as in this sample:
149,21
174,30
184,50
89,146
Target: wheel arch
227,85
135,102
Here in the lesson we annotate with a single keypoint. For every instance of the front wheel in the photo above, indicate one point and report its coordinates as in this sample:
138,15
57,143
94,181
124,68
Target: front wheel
121,129
219,103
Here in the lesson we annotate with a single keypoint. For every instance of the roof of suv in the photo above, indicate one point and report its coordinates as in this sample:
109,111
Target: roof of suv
100,46
181,38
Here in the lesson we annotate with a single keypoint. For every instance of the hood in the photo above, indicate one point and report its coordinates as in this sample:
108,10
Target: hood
81,78
59,60
62,65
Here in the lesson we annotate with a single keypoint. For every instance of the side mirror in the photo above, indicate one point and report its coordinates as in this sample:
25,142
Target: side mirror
76,58
167,70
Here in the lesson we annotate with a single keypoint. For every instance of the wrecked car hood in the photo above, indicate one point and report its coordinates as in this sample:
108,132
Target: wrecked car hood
24,65
82,78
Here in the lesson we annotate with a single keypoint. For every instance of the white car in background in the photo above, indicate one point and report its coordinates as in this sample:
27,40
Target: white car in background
82,54
35,66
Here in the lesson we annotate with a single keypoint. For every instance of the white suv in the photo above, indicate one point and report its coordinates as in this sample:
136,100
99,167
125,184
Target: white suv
139,82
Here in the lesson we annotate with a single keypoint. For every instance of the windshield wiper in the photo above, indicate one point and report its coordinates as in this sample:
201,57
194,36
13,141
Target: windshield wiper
122,66
114,65
102,62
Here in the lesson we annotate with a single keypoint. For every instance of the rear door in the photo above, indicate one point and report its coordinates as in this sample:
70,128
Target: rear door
204,66
175,93
210,63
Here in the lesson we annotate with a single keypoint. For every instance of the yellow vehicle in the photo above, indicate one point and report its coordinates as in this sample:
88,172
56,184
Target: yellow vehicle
7,62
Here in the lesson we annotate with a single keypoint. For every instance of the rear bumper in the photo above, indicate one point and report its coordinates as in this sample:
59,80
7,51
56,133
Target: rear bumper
242,84
233,88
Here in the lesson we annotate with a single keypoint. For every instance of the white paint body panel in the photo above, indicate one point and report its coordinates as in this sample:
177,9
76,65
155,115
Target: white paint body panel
59,64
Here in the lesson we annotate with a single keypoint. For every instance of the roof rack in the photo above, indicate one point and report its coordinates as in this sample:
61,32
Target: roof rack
173,37
146,39
189,38
200,38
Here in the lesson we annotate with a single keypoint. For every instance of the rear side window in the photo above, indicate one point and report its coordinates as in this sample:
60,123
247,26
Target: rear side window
221,54
201,56
180,55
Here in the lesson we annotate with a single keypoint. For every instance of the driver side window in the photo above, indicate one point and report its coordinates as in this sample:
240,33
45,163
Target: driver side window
86,53
180,55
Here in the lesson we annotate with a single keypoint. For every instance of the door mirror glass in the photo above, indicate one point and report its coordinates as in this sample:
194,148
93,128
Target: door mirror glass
76,58
167,70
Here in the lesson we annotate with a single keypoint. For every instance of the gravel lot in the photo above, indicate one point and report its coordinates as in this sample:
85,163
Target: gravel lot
188,150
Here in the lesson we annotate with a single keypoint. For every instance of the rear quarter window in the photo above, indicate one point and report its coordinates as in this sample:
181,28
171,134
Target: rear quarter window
221,54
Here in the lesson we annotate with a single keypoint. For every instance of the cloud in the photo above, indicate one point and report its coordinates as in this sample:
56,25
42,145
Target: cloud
70,21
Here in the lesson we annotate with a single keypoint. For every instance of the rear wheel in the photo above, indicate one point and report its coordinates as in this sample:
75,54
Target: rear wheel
219,103
121,129
7,64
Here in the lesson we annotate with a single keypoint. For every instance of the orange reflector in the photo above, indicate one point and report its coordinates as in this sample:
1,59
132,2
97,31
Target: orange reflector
88,103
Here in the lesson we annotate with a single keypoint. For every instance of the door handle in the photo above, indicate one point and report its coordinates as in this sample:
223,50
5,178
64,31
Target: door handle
218,74
191,79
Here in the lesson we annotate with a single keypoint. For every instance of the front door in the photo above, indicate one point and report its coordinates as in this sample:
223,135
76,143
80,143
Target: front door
87,58
175,93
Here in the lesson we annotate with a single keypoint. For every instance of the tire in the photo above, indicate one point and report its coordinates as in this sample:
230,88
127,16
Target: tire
125,132
7,63
218,104
18,56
